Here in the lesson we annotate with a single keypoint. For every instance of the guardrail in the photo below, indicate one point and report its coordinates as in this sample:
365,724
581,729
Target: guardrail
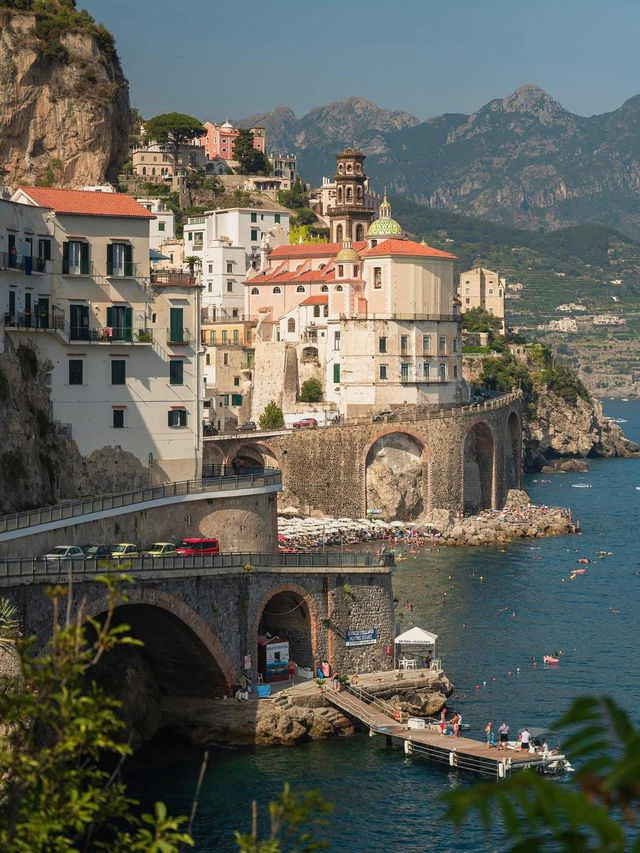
37,570
72,509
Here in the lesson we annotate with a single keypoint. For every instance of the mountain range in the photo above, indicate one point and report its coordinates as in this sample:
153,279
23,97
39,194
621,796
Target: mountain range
522,160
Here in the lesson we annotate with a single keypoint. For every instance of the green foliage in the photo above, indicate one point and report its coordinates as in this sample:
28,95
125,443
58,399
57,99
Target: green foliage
242,198
9,624
272,417
295,197
176,129
564,382
475,349
479,320
307,234
540,814
304,216
293,819
311,391
56,794
505,373
251,161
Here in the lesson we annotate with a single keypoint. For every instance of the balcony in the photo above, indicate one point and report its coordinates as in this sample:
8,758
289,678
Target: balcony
24,263
172,278
84,268
126,270
178,337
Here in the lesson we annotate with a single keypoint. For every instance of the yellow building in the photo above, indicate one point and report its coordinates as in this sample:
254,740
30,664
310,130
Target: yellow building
228,372
482,288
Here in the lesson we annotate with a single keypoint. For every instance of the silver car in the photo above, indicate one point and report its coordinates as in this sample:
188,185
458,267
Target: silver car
64,552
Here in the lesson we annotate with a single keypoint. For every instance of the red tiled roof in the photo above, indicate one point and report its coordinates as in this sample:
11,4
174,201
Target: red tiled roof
87,203
314,250
405,247
319,299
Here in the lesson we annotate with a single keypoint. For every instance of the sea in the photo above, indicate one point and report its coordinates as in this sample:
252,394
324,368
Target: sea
494,610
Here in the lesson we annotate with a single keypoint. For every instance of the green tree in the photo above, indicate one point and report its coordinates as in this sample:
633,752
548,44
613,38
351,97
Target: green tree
479,320
57,792
311,391
251,161
295,197
272,417
175,129
193,261
599,813
506,373
304,216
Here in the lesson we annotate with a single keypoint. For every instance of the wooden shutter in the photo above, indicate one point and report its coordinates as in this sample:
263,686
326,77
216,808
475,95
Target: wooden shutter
65,258
109,258
84,258
127,332
128,259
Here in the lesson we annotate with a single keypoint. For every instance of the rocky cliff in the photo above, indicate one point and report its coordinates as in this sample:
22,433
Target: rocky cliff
64,101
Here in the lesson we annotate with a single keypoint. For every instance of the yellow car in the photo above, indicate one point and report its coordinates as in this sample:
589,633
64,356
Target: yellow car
125,551
161,549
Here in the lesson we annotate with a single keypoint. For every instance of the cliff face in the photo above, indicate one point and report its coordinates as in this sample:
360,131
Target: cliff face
64,114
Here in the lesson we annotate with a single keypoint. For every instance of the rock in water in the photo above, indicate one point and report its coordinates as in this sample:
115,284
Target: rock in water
64,103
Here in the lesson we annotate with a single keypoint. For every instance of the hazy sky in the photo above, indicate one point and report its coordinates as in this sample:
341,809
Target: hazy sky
219,60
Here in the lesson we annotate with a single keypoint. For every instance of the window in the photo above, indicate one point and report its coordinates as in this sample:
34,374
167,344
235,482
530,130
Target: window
339,288
455,371
75,371
225,336
426,343
229,287
355,270
236,399
336,340
254,217
443,372
213,338
236,336
404,372
225,359
229,266
383,371
117,418
207,359
176,330
190,235
299,289
455,345
500,293
210,268
340,270
44,250
316,310
404,344
277,217
161,226
382,344
210,287
176,371
255,291
118,371
467,291
467,300
377,277
336,373
277,290
75,257
177,417
425,370
443,344
254,234
324,288
234,312
236,381
490,291
291,325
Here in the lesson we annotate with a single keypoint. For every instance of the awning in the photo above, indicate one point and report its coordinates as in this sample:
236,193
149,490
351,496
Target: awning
417,637
155,255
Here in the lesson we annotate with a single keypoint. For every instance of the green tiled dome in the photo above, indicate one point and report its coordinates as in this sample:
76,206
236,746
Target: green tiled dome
347,254
385,226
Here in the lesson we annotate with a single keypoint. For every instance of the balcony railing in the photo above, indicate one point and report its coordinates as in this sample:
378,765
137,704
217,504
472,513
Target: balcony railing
172,278
25,263
127,270
178,336
84,268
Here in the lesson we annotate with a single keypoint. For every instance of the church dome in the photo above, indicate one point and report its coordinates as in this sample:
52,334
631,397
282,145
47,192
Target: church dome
347,254
384,225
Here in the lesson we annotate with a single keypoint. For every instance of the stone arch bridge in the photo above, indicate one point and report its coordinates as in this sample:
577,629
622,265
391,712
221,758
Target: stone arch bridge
464,457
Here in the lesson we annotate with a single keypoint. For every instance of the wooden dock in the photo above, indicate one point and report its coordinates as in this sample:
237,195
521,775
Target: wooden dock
461,752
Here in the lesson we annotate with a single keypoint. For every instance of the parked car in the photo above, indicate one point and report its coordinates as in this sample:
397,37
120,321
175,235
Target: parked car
385,415
161,549
476,398
64,552
209,429
305,422
97,552
125,550
248,426
197,547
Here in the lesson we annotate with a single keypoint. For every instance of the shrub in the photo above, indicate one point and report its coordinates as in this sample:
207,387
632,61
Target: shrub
272,417
311,391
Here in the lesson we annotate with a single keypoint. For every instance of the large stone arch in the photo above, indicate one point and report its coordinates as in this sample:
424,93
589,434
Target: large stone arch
513,451
212,453
397,474
253,455
293,601
479,468
179,628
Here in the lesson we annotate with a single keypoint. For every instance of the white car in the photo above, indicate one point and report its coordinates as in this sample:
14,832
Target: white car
64,552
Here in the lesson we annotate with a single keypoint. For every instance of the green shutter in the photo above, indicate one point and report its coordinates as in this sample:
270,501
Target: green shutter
127,332
110,317
175,324
176,372
336,373
65,258
109,258
128,259
84,258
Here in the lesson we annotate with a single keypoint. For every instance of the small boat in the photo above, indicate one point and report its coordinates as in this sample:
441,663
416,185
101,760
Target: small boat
578,571
550,659
584,560
545,744
581,485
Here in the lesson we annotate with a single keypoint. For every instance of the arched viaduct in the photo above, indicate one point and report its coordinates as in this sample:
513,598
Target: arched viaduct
461,458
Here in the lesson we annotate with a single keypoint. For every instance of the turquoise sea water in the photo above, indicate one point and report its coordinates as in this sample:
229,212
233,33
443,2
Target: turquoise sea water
516,604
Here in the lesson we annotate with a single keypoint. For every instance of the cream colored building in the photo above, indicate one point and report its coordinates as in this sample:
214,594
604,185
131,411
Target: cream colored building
228,371
123,343
482,288
157,159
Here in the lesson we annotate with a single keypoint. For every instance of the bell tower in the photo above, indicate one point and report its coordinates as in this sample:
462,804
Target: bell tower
350,217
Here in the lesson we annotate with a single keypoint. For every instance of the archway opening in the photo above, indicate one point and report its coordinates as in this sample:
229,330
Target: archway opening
478,468
284,635
513,445
253,459
396,476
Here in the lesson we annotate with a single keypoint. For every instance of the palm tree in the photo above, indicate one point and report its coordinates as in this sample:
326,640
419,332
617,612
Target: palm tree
9,625
193,261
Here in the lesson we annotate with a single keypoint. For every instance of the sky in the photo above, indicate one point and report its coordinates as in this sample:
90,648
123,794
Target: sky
217,60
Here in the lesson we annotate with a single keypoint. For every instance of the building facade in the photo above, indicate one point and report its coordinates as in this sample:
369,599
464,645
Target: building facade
162,227
482,288
219,139
228,370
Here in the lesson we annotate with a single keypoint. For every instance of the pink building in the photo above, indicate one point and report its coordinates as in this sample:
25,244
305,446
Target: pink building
219,139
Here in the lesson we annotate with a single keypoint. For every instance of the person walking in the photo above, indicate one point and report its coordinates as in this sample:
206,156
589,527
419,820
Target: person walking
443,720
487,731
503,731
455,722
525,738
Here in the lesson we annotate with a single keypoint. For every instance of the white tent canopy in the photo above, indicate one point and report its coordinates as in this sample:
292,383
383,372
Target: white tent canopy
417,637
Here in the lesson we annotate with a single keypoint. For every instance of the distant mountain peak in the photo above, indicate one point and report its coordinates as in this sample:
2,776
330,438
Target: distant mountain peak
528,99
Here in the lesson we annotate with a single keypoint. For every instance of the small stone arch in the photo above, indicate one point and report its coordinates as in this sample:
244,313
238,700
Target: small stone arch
478,468
397,466
293,601
212,454
253,456
513,451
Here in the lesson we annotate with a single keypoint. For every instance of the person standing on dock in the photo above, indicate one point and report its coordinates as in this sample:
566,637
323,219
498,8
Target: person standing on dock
443,720
525,738
455,722
487,731
503,731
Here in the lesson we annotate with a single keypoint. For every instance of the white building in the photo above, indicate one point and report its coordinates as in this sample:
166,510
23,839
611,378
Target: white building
123,343
228,243
162,227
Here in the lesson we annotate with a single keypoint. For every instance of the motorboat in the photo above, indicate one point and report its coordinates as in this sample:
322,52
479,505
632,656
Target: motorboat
545,744
550,659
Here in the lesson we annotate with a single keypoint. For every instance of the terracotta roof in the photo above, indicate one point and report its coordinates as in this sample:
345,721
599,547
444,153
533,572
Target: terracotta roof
87,203
405,247
313,250
319,299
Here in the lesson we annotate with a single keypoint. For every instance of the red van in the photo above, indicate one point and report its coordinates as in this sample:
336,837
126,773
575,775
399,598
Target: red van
197,547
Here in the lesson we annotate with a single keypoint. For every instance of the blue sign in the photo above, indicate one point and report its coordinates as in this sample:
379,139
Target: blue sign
362,638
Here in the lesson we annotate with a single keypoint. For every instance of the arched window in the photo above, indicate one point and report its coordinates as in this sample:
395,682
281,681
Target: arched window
340,194
144,170
349,194
340,270
359,231
153,170
359,191
341,168
255,291
299,289
339,289
291,325
339,233
277,290
324,288
355,270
